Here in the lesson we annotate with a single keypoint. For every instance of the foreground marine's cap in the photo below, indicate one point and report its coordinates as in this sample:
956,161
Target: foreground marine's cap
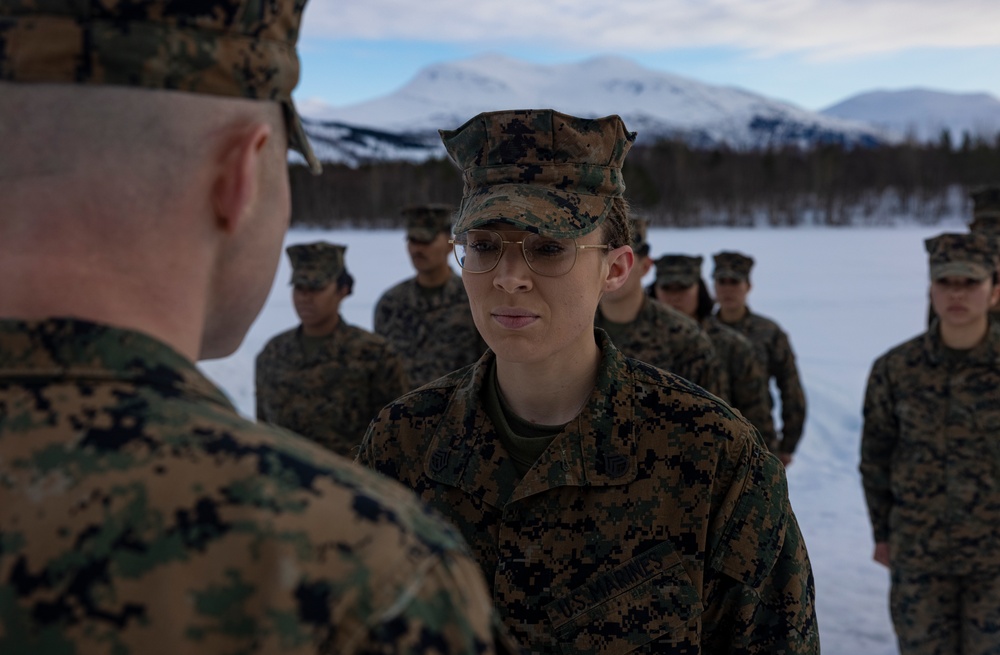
236,48
539,170
729,264
425,222
681,270
961,255
315,265
986,210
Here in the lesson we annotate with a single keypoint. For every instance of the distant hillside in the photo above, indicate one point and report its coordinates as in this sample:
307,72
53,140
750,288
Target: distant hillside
403,125
923,113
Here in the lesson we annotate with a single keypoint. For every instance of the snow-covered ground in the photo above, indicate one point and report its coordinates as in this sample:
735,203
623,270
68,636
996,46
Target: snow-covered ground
843,295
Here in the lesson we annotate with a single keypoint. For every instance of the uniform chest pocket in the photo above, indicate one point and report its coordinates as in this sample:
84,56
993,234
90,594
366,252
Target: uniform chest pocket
648,598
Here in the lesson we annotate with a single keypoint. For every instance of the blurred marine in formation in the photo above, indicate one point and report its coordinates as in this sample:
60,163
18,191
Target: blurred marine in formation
732,284
647,330
426,318
986,221
325,379
930,460
145,190
679,285
615,507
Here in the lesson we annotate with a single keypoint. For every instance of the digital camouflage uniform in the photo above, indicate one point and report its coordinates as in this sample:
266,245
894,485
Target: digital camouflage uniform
434,332
775,353
930,464
669,340
139,513
330,389
742,379
431,328
654,522
744,375
663,337
326,388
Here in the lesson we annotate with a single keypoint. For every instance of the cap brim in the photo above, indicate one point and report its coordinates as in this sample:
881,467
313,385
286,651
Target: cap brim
297,139
728,273
960,269
422,234
678,279
534,208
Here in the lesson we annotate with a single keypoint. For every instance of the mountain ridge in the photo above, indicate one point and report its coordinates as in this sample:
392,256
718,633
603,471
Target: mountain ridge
403,125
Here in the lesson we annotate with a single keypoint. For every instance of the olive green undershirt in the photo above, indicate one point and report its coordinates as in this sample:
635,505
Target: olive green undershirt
311,345
523,440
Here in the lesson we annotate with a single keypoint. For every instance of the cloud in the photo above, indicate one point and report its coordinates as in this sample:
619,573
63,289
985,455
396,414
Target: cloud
819,29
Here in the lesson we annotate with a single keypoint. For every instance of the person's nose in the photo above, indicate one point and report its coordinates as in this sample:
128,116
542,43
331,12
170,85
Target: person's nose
512,273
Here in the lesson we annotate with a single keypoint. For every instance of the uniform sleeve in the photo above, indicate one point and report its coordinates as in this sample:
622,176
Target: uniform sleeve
751,395
878,441
389,381
383,316
793,398
703,366
759,592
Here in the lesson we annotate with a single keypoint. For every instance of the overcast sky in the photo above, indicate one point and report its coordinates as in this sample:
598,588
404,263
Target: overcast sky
809,52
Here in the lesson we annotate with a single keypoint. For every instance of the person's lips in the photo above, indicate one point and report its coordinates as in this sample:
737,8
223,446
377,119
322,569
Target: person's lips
513,318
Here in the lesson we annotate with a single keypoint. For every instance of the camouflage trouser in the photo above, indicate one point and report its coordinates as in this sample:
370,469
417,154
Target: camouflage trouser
946,615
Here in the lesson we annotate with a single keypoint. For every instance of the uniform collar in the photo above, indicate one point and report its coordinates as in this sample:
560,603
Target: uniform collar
987,353
597,448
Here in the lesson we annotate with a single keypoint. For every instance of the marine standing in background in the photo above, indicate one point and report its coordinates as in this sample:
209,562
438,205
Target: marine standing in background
647,330
679,285
426,318
325,379
732,284
986,220
145,190
615,507
930,460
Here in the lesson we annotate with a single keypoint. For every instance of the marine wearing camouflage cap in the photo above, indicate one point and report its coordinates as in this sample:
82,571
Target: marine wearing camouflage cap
425,222
315,265
614,507
961,255
681,270
236,48
540,170
640,231
986,210
733,265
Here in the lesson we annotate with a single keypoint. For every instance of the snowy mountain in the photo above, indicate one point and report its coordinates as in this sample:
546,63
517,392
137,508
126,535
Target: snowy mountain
653,103
923,113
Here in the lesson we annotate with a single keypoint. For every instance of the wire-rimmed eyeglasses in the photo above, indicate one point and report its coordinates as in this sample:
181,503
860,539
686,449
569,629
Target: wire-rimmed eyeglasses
479,251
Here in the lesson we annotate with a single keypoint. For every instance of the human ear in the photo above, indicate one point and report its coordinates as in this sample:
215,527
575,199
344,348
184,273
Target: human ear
239,162
620,262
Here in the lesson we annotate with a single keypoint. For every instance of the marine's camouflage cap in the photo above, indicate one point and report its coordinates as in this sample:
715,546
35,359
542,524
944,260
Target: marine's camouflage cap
539,170
682,270
425,222
961,255
238,48
729,264
315,265
986,210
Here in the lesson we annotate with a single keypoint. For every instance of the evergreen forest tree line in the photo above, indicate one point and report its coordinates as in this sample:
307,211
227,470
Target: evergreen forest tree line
673,184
